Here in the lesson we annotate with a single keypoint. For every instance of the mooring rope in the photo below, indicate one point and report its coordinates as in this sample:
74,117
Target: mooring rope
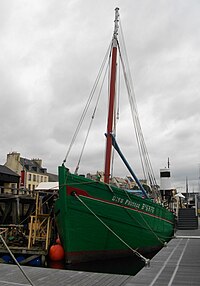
147,261
160,239
148,226
13,257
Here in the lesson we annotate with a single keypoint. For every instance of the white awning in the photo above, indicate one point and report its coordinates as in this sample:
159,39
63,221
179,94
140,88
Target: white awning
180,195
48,186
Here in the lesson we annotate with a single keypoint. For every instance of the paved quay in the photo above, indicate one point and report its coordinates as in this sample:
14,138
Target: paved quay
176,264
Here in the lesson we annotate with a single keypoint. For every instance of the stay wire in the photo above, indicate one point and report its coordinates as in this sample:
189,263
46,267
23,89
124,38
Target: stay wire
133,109
92,119
131,93
87,104
147,261
13,257
145,160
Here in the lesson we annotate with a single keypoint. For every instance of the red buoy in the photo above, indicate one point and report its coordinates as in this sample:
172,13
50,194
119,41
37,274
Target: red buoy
56,252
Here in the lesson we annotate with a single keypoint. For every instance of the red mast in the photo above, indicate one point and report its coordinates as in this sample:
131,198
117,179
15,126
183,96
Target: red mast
111,100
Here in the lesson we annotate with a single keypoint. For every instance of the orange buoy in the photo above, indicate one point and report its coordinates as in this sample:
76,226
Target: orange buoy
56,252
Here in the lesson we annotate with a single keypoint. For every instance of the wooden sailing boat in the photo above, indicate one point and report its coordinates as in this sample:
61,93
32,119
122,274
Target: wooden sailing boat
97,220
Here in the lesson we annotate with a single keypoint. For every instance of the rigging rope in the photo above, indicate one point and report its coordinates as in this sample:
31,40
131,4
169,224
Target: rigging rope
13,257
87,104
128,196
147,261
144,156
91,121
148,226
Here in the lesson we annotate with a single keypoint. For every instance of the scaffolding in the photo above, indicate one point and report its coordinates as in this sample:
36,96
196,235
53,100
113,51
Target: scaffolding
40,226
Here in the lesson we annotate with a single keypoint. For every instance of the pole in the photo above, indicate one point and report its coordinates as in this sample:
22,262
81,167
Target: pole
187,192
115,145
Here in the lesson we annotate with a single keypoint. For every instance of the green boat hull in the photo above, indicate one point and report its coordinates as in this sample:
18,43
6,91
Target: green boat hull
96,221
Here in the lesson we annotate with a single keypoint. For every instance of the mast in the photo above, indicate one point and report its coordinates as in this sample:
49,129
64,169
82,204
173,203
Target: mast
111,99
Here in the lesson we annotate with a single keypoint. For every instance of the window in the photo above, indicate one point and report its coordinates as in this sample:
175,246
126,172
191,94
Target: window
41,178
165,174
13,187
29,177
34,178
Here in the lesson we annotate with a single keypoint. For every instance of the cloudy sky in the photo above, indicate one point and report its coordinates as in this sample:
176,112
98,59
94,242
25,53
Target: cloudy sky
51,52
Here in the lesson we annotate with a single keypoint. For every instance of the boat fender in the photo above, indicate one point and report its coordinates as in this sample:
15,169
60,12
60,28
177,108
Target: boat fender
56,252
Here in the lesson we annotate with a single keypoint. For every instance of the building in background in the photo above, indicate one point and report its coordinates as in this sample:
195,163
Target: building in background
9,180
31,171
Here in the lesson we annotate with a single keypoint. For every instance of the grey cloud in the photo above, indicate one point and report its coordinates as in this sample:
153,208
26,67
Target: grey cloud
50,56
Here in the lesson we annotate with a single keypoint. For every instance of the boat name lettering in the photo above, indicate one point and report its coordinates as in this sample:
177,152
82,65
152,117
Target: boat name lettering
132,204
117,199
148,208
125,202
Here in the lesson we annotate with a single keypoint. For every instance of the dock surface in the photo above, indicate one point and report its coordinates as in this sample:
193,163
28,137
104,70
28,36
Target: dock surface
176,264
10,275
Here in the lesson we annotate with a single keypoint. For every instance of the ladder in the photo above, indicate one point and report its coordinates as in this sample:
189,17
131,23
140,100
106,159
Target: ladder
39,226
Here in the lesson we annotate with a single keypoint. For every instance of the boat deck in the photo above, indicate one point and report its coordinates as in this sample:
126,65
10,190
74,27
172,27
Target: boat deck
176,264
